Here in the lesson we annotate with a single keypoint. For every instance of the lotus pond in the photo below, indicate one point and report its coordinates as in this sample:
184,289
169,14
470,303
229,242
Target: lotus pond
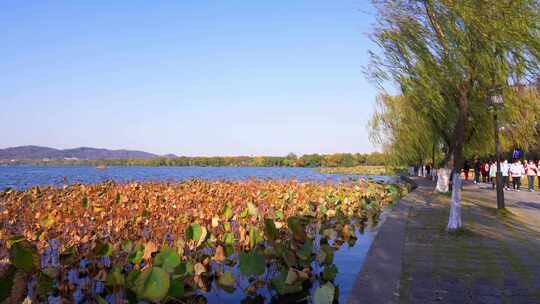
195,241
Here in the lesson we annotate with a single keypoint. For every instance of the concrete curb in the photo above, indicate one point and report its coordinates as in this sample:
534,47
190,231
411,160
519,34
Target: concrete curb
379,279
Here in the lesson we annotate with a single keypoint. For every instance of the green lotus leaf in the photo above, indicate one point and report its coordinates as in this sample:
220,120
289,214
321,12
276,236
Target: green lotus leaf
184,269
132,277
45,284
115,278
177,288
255,236
228,239
304,253
329,254
289,257
6,283
324,294
152,284
127,246
197,233
167,258
270,230
136,256
251,264
227,212
103,249
279,283
330,272
244,213
297,227
24,256
194,232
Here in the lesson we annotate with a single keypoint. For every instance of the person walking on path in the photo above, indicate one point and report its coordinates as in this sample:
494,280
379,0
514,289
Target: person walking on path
516,171
505,168
487,165
484,170
493,174
531,173
477,169
466,168
538,173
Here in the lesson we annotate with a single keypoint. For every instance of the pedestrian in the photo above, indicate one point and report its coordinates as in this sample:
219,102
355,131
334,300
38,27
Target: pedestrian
538,173
477,169
483,172
493,174
505,169
516,171
466,168
487,165
428,170
531,174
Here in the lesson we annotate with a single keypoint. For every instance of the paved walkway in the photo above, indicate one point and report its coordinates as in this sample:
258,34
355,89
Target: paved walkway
524,204
496,259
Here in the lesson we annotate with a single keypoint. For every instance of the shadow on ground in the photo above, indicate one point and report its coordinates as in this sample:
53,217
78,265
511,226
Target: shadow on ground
496,259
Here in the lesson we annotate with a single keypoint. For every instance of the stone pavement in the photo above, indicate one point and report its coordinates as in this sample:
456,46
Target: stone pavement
525,204
495,259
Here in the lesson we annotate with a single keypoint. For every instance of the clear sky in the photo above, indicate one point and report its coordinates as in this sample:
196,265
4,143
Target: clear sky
187,77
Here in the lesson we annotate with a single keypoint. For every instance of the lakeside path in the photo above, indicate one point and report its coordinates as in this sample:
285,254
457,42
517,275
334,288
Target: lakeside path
496,259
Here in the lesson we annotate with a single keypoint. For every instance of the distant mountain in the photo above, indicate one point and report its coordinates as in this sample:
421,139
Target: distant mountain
82,153
170,155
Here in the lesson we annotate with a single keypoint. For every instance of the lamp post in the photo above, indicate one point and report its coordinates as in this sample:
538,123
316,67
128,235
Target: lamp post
496,101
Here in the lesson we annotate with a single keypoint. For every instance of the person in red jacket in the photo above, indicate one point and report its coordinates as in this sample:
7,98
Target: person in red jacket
466,169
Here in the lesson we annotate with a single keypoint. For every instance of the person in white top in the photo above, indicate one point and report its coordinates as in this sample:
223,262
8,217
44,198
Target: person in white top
505,167
538,173
531,173
493,174
516,172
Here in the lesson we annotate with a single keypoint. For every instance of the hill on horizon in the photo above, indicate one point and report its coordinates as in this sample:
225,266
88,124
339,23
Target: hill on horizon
82,153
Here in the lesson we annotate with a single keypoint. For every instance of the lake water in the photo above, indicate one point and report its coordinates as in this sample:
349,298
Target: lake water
22,177
348,259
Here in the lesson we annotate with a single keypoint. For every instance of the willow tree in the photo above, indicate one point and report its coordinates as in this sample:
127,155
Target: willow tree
406,135
448,56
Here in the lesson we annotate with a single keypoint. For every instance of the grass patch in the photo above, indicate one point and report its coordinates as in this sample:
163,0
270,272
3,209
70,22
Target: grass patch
460,232
443,194
504,212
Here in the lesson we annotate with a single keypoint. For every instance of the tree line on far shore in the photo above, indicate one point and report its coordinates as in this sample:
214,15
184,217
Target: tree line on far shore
291,160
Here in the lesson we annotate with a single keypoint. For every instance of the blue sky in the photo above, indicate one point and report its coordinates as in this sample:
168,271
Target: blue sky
187,77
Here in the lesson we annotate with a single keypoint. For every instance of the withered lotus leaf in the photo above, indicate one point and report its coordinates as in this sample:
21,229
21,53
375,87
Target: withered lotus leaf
158,241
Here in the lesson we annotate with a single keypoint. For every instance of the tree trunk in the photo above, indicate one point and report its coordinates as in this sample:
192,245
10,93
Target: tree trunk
433,163
454,220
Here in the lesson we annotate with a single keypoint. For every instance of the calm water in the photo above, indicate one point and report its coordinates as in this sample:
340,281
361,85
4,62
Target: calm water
348,259
22,177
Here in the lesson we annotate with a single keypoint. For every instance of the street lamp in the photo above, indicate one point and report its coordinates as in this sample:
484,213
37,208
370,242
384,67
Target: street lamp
496,101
